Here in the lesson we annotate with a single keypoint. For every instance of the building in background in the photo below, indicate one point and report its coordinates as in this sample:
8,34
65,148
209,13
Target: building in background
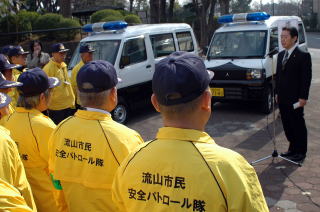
83,9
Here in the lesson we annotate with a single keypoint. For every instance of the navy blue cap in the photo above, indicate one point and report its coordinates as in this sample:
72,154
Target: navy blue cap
35,81
180,78
8,84
4,100
6,49
58,47
5,64
97,76
85,47
16,50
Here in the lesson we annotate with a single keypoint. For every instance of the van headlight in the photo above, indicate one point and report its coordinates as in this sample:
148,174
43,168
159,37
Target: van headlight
254,74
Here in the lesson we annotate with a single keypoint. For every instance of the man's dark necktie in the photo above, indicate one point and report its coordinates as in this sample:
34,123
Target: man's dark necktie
285,59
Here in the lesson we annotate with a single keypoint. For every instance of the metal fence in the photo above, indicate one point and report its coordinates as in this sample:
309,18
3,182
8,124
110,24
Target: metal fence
47,38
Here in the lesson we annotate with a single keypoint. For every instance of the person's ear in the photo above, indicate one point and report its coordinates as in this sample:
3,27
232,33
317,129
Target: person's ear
113,95
155,103
206,101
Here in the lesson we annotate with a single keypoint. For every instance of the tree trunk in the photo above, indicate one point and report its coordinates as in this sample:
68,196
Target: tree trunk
224,6
154,11
65,8
163,17
170,11
131,5
211,24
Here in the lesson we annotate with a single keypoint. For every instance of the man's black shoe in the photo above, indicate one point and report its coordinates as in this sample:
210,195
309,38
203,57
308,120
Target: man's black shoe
297,158
287,154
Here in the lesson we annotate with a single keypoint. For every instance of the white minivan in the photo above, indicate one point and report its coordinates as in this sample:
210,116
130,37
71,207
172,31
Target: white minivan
134,51
243,56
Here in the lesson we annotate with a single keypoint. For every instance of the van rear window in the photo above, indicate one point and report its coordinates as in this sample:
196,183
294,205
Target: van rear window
162,44
185,41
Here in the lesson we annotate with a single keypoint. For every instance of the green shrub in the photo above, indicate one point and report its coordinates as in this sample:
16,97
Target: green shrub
53,21
69,34
103,14
23,21
125,12
27,17
48,21
132,19
112,18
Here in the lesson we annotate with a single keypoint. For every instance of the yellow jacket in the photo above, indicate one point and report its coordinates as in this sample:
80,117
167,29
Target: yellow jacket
74,74
14,93
62,95
85,152
4,119
11,199
11,169
31,130
184,170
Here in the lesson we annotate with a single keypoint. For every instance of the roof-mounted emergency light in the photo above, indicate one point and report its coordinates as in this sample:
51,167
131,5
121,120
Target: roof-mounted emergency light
242,17
104,26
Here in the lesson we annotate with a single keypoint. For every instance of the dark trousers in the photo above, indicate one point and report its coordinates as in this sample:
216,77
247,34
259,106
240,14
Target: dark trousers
59,115
294,127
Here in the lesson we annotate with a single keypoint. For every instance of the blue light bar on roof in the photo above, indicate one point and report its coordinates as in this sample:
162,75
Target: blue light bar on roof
104,26
242,17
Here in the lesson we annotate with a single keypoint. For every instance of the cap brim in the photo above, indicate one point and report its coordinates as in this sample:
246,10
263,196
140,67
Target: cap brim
53,82
10,84
12,66
4,100
25,53
64,50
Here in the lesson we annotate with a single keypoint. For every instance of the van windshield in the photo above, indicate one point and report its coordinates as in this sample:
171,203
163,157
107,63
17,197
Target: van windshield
240,44
105,50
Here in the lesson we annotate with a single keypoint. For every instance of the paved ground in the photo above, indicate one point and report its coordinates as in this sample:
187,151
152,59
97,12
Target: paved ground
241,127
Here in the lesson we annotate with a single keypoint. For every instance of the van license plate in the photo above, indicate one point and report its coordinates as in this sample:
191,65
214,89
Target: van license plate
217,91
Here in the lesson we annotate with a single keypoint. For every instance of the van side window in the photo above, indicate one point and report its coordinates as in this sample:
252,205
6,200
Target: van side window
162,44
134,51
185,41
301,34
274,42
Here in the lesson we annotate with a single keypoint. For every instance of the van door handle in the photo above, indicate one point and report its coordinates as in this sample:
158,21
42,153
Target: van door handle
148,66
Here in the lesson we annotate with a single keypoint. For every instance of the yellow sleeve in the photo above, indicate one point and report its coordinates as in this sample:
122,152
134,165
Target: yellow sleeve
20,179
47,69
116,191
11,199
74,73
43,133
239,177
58,194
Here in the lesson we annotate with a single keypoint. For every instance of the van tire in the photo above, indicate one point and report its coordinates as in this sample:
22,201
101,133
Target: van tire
267,102
120,113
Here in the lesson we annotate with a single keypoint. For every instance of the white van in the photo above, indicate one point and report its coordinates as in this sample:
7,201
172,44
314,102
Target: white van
134,51
243,53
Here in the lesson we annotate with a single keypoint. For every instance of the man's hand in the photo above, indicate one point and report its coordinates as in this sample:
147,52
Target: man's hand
36,53
302,102
276,98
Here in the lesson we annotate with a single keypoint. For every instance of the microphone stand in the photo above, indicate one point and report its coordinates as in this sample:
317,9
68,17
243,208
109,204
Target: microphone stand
275,153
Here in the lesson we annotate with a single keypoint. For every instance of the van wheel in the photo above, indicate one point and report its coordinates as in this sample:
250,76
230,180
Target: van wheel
120,113
267,101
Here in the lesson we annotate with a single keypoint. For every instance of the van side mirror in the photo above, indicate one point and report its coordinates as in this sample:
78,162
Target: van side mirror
124,61
273,52
205,50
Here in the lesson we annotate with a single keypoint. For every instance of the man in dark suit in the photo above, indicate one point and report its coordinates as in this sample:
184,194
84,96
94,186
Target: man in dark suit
292,90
